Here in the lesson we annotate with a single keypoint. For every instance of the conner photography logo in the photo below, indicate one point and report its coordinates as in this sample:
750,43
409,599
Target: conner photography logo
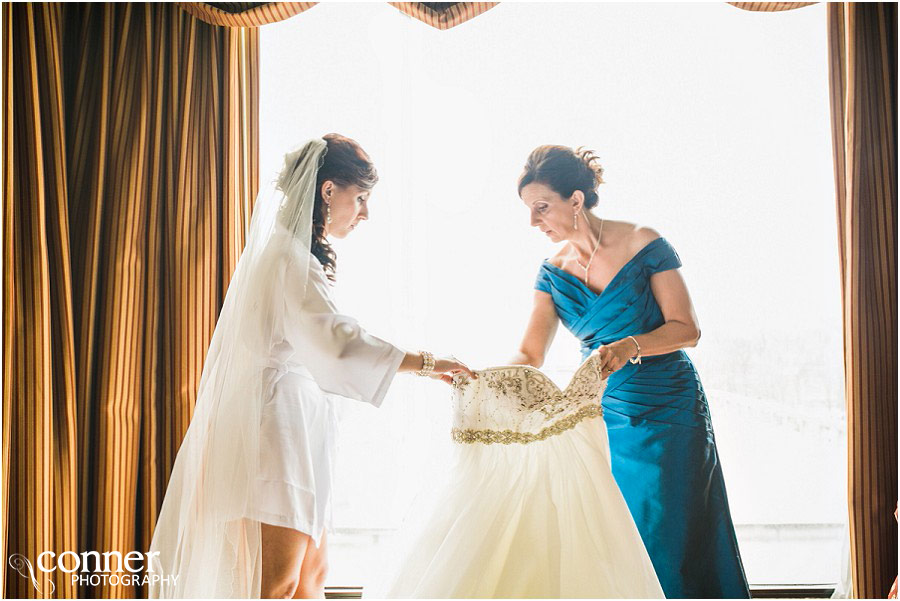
92,568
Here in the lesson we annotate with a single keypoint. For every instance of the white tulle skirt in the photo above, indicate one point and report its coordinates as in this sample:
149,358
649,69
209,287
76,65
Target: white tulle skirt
544,519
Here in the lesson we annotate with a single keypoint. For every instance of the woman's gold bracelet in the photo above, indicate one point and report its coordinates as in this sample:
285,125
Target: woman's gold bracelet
427,364
637,357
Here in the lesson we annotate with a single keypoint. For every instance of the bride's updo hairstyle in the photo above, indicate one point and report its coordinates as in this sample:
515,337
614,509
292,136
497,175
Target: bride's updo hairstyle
564,170
345,163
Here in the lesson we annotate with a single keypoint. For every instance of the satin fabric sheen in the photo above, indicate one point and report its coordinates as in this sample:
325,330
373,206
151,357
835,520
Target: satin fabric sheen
662,446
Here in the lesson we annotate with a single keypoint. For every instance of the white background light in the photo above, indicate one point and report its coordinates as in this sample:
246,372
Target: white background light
713,126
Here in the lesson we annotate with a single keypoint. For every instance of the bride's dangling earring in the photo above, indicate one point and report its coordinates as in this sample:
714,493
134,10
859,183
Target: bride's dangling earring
576,220
328,213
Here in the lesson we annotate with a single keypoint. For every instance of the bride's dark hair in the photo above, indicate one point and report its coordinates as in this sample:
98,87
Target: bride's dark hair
345,164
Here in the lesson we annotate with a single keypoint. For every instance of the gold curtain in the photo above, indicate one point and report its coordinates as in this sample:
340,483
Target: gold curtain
130,170
862,54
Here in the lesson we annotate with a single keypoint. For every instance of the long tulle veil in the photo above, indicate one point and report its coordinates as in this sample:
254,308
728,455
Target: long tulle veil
203,546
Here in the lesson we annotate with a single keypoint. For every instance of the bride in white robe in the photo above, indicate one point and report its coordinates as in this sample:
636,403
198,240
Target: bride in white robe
248,502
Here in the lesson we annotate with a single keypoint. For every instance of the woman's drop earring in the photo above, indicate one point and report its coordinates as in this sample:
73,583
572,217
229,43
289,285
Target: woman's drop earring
328,211
576,220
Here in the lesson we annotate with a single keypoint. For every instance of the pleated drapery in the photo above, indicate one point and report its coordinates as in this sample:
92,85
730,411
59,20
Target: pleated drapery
130,171
862,54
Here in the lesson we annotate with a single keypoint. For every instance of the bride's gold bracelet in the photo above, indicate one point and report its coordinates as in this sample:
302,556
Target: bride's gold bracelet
427,364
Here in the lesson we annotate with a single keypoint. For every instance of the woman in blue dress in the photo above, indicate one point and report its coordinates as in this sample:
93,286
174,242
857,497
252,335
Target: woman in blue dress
616,286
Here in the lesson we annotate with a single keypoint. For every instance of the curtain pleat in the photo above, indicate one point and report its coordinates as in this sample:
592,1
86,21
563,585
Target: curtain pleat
131,171
449,14
40,437
9,336
862,55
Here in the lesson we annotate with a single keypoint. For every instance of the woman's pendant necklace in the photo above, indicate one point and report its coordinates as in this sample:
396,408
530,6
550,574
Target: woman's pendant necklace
591,258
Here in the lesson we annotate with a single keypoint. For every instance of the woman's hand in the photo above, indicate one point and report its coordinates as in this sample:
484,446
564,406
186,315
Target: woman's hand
447,367
444,367
613,356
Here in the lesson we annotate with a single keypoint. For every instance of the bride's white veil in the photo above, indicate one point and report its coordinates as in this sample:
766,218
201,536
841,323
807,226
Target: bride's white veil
205,546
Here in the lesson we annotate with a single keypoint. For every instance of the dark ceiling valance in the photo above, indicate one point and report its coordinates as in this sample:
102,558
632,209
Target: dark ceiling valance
244,14
770,7
236,7
441,15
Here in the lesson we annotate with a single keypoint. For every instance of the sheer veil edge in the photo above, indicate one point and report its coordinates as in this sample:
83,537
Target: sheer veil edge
203,546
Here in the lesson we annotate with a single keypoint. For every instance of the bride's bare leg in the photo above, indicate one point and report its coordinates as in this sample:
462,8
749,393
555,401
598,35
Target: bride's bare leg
313,572
283,550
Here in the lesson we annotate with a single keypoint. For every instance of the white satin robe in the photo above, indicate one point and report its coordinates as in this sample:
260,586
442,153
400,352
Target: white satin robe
322,354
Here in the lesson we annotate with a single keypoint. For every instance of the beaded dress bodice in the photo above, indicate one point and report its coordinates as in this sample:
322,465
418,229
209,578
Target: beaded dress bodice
521,404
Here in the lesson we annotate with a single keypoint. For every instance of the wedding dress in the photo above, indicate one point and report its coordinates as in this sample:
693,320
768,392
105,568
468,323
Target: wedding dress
531,508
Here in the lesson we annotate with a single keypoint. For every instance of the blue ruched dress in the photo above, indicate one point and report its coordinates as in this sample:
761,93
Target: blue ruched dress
661,440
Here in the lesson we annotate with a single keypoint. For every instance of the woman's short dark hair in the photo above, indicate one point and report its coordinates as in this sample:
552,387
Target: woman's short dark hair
564,170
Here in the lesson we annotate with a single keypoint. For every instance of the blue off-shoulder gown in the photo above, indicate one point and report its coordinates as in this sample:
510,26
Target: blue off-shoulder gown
661,440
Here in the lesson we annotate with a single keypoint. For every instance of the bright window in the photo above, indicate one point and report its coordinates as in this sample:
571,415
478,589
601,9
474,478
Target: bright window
713,126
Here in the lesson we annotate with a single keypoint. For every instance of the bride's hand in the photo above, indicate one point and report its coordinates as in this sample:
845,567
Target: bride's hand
611,357
447,367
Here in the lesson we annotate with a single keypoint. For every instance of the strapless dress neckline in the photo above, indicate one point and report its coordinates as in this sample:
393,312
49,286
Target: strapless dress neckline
521,404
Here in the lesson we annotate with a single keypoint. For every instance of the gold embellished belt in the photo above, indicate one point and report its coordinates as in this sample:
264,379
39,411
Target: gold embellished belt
468,436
